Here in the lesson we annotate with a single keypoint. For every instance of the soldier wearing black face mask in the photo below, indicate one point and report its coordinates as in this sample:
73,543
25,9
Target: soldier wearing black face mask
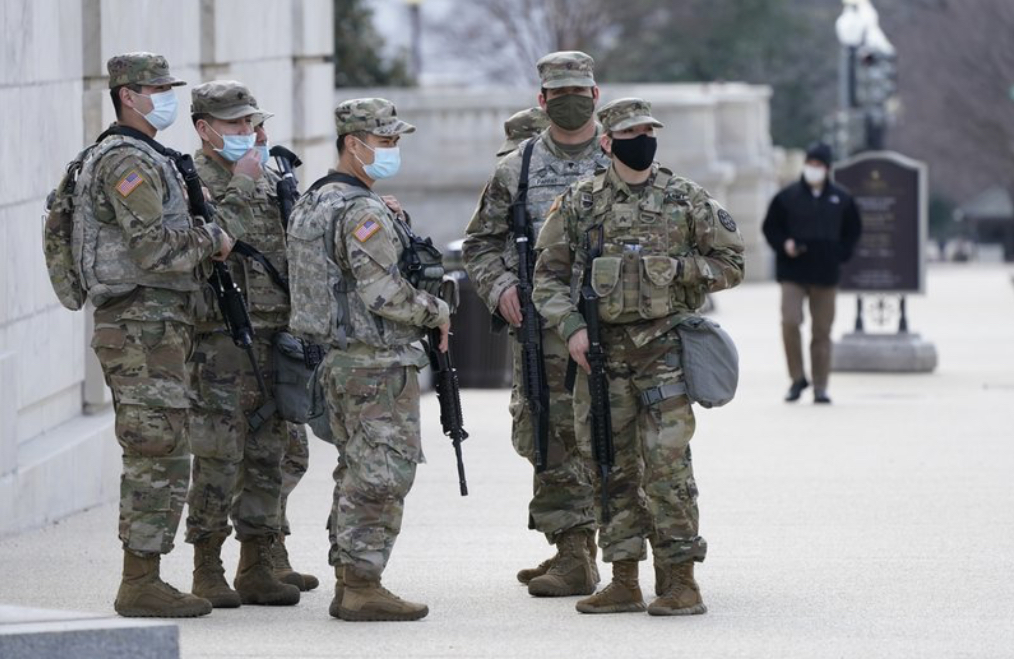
651,245
561,505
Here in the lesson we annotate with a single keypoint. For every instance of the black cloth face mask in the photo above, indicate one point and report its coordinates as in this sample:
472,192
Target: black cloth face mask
636,153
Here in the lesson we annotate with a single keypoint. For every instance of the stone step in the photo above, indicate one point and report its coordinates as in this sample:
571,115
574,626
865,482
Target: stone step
27,633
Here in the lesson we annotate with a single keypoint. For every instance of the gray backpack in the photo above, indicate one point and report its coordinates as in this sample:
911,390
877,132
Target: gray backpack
710,362
297,392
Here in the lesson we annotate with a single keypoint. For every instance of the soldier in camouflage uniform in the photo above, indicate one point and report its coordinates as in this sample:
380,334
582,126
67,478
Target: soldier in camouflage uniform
237,446
561,507
345,246
143,263
663,244
521,126
296,458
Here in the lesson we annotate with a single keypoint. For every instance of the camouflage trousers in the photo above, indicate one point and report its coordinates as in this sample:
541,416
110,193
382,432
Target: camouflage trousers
652,492
295,462
374,414
237,472
145,366
562,494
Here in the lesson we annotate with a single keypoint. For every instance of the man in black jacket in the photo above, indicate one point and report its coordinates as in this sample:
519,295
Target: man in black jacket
813,225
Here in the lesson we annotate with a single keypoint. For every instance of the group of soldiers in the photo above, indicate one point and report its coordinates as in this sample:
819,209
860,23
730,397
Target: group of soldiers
600,213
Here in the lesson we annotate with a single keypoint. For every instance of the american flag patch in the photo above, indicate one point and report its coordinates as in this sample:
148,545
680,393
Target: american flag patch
366,229
129,183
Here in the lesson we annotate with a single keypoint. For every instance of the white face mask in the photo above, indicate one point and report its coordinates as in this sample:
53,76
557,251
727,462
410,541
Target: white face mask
163,111
814,174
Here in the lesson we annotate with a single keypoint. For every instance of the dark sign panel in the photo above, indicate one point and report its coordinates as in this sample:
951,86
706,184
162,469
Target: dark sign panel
890,191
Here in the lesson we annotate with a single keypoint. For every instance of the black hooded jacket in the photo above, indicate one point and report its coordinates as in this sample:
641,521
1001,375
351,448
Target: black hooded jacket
827,226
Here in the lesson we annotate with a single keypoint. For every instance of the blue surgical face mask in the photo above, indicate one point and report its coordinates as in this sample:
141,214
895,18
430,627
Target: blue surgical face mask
265,152
386,162
234,146
163,111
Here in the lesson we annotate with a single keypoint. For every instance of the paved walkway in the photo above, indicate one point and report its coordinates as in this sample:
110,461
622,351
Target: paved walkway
881,526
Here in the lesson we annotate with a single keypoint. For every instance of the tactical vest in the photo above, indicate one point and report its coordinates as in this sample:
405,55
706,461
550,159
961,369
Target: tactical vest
549,177
267,302
635,276
99,247
325,306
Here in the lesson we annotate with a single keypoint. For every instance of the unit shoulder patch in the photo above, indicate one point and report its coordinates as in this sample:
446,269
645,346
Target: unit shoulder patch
726,220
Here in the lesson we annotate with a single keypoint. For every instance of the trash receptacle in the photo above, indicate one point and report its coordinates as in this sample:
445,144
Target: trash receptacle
481,356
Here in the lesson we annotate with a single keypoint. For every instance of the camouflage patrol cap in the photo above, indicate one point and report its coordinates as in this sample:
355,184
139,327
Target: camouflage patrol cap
521,126
373,115
566,68
223,99
624,113
140,69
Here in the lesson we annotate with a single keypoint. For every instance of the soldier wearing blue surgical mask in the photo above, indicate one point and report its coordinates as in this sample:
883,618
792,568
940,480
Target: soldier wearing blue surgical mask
237,466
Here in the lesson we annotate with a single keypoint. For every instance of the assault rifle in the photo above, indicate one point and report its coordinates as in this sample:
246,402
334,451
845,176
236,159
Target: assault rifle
598,380
449,396
230,299
287,187
533,365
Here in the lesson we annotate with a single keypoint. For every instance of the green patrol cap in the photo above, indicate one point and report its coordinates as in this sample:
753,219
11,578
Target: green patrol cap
373,115
624,113
140,69
521,126
223,99
566,68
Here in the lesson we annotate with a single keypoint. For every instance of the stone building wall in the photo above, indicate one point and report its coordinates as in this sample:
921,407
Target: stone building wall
57,449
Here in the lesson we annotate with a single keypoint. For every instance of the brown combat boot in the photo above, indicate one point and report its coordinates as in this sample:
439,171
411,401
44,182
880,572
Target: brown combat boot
682,596
365,600
529,573
255,579
661,576
143,594
209,575
571,573
339,592
283,569
622,595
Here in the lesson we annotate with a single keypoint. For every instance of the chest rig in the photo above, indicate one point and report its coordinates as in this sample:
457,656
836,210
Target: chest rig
638,237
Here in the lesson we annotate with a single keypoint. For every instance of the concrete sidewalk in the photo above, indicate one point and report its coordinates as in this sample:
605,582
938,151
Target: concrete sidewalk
881,526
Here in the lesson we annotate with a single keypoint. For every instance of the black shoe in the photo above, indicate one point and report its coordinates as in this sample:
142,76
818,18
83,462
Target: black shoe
821,398
796,390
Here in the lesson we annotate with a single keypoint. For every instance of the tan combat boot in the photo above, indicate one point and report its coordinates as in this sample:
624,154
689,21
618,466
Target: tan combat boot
527,574
255,579
143,594
661,576
622,595
364,599
682,596
571,573
283,569
209,575
339,592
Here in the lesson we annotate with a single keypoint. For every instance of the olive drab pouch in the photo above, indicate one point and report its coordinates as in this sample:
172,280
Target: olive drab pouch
297,394
605,281
710,362
57,239
656,289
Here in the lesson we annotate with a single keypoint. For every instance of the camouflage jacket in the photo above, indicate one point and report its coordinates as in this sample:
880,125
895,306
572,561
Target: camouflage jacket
489,252
249,212
138,240
361,287
663,245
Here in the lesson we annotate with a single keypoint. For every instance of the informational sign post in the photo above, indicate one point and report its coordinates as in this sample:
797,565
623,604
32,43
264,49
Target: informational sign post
891,193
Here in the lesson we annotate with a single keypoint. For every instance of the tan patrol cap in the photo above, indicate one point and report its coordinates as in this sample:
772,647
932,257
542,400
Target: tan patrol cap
140,69
373,115
624,113
223,99
566,68
521,126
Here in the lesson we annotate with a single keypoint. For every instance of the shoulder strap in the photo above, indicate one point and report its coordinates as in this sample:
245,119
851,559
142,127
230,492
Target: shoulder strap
337,177
526,161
